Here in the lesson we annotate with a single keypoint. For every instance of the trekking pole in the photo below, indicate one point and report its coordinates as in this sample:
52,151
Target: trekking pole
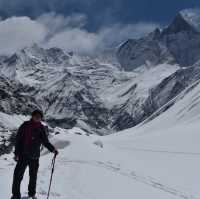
52,171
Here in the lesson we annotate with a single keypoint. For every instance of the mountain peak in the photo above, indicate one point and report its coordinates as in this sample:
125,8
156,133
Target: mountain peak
192,17
179,24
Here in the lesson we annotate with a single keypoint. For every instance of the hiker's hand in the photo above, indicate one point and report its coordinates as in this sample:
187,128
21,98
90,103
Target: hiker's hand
16,158
56,152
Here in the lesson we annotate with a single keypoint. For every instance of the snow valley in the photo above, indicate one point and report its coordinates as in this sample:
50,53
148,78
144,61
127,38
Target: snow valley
126,121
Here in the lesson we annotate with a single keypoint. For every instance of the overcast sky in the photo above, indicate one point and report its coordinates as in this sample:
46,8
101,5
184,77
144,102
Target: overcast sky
82,25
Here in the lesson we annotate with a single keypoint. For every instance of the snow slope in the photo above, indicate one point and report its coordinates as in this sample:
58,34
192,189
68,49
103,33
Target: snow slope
158,159
168,146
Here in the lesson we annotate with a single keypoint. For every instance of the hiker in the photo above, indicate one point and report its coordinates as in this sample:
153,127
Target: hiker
31,134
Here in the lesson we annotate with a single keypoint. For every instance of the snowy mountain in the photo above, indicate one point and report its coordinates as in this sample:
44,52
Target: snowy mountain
147,90
178,43
147,51
99,94
81,91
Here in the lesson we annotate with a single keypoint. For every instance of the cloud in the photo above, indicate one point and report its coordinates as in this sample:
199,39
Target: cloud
84,42
19,32
57,22
69,33
77,40
119,32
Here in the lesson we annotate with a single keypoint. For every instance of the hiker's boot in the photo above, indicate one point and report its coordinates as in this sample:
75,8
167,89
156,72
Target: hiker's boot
16,197
32,197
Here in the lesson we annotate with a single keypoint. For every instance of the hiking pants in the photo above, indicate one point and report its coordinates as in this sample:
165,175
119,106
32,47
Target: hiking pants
20,168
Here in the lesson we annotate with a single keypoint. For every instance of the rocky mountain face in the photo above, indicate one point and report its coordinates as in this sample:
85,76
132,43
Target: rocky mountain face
109,92
178,43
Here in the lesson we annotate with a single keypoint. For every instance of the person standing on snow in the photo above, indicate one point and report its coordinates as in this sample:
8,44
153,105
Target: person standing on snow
30,136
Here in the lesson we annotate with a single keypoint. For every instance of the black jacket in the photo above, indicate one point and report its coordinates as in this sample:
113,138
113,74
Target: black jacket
39,138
